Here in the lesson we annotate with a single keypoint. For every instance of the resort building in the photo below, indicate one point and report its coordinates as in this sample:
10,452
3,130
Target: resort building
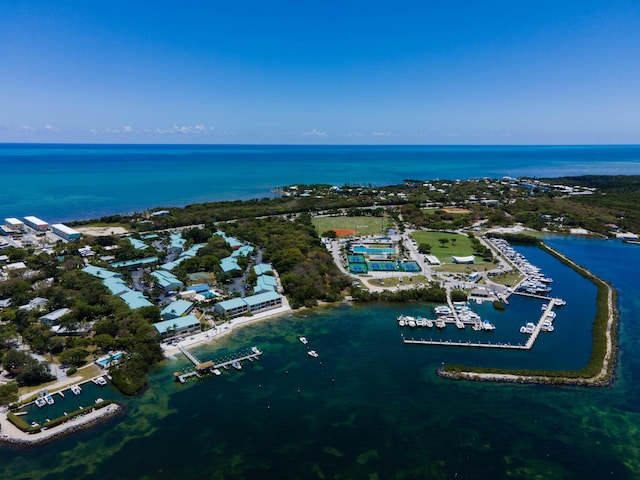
116,285
135,300
134,263
167,281
176,309
178,326
137,244
229,264
263,301
100,272
237,307
65,232
266,283
36,223
262,268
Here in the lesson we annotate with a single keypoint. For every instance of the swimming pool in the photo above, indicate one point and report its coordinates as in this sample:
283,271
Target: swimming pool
373,250
109,359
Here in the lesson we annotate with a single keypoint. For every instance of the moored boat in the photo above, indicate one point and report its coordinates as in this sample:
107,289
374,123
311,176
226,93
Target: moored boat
313,353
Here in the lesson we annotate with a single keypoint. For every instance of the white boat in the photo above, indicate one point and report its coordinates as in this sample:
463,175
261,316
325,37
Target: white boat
429,323
402,323
477,326
40,402
440,323
76,389
99,381
412,323
460,325
256,350
49,399
304,340
528,328
560,302
488,326
236,364
544,307
313,353
99,400
217,372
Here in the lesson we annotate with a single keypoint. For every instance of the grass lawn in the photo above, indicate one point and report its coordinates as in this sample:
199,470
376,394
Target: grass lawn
510,278
360,226
412,280
452,211
458,245
85,373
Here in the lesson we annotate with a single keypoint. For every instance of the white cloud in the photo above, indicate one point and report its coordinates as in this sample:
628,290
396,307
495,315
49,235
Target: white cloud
49,127
314,133
127,129
185,130
381,134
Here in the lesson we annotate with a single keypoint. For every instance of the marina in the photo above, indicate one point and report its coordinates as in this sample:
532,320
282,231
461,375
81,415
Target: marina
544,324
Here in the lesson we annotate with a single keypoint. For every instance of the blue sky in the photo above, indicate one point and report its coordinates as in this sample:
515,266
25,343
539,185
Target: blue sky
327,72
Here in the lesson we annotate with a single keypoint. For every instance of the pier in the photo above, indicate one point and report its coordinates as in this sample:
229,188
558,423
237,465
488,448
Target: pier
532,295
210,366
449,343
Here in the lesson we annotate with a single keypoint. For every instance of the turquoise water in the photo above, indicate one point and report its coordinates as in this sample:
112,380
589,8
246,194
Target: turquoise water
371,407
372,251
72,182
113,358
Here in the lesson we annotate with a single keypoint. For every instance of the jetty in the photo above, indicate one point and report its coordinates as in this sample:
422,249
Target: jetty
210,365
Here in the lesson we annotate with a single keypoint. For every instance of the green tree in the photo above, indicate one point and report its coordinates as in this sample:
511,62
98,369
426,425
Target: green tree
73,356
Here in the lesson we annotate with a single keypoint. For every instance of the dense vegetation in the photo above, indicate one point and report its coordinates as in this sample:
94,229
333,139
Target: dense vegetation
307,271
281,229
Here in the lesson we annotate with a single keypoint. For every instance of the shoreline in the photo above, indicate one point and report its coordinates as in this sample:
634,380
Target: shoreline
222,330
9,433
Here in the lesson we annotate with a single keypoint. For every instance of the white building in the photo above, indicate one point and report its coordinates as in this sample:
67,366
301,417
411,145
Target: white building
36,223
65,232
14,224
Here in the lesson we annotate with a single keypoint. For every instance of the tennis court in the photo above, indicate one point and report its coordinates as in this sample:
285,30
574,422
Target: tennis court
382,266
410,266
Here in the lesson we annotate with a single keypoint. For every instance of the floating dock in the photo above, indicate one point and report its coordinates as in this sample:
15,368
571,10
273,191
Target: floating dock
210,365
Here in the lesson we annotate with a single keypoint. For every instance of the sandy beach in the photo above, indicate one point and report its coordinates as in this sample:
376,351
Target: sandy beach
224,329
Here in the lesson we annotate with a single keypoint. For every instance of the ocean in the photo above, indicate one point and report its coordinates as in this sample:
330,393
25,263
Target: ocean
371,407
59,183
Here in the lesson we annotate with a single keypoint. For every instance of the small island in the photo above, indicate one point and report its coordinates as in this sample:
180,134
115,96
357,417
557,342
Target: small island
109,298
